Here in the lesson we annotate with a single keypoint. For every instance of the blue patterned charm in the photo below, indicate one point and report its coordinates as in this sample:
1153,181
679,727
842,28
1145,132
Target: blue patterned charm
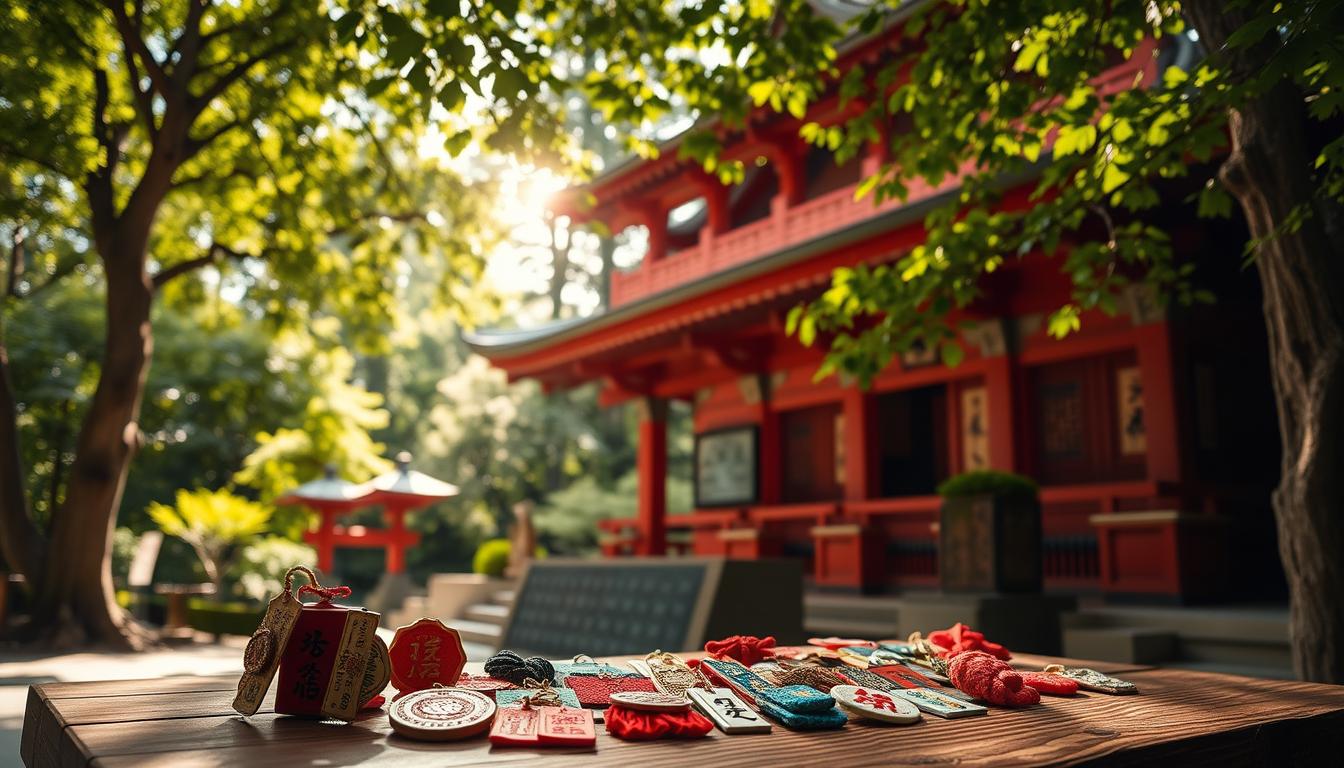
798,699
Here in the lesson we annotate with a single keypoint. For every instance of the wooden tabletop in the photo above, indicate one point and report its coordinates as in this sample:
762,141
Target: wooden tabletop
1180,717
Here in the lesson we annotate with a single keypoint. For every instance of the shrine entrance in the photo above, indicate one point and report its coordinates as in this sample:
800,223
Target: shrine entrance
912,447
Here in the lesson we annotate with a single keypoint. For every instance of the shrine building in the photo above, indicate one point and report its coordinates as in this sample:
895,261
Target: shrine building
1151,432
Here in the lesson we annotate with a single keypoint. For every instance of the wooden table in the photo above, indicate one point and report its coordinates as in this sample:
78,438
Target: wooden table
1180,717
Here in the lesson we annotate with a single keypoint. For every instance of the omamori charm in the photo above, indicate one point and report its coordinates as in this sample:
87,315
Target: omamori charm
441,714
875,705
426,653
727,711
1092,680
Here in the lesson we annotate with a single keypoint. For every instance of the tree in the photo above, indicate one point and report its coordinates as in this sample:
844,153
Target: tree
152,140
216,524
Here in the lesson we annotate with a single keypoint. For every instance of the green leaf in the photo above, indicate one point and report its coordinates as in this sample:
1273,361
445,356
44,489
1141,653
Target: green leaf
952,353
1075,139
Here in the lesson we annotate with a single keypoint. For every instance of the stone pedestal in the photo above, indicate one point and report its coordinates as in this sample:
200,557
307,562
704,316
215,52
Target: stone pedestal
1025,623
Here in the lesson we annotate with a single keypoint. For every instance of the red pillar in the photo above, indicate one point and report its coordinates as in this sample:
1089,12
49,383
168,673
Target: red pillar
321,539
651,465
858,439
1159,402
396,545
999,387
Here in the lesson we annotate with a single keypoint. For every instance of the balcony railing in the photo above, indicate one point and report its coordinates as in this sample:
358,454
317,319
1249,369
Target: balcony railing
786,227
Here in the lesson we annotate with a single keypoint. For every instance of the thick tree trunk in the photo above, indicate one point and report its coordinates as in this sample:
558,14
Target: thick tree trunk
75,599
1269,171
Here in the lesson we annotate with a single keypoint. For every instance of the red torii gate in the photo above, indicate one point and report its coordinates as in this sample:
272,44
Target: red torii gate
399,491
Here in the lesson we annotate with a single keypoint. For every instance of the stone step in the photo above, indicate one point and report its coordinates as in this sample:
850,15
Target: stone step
478,651
490,613
504,596
481,632
1126,645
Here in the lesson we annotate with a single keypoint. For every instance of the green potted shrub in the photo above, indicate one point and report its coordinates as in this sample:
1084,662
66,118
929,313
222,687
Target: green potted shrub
989,533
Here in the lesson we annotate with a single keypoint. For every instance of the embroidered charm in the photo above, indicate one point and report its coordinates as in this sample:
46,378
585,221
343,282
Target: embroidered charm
875,705
729,713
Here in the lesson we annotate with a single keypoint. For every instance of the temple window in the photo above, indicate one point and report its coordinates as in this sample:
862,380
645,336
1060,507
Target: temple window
1088,419
684,223
750,201
824,175
632,245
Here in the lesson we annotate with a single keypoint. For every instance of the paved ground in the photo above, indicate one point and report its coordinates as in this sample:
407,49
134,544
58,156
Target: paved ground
19,670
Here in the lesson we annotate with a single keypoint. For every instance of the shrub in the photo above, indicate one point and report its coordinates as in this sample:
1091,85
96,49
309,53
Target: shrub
492,557
260,568
988,482
224,618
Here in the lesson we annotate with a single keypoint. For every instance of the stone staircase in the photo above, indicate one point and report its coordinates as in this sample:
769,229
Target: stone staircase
475,606
1247,640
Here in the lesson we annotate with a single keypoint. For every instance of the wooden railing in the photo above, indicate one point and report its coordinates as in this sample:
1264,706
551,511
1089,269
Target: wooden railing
909,525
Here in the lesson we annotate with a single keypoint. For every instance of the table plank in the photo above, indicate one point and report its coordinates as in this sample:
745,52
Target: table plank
1194,717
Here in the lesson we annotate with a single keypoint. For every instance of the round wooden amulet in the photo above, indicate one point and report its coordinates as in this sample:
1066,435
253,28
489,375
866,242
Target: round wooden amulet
441,714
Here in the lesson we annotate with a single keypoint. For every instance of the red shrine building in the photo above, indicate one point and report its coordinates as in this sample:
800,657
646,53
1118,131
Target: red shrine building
1151,432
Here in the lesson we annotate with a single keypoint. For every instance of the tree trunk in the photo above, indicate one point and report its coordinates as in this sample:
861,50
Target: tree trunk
75,599
1269,171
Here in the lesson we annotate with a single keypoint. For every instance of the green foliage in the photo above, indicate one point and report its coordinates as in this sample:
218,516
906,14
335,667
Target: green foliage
1097,154
567,520
259,570
988,482
492,557
214,523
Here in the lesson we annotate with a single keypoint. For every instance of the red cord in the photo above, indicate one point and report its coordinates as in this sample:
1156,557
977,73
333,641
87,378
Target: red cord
326,593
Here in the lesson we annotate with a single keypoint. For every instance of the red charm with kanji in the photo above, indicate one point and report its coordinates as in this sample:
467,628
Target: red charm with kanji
426,653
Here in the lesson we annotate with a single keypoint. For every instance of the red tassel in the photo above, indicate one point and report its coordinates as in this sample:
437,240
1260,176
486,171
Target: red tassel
1056,685
744,648
985,677
636,725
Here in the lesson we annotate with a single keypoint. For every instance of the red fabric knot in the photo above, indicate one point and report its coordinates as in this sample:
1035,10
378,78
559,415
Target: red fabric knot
744,648
987,678
325,593
960,638
626,723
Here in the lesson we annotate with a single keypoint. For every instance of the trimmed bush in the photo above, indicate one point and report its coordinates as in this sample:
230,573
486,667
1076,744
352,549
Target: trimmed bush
224,618
988,482
492,557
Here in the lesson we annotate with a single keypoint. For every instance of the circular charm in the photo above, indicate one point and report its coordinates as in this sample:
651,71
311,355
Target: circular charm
259,651
441,714
875,705
376,673
648,701
426,653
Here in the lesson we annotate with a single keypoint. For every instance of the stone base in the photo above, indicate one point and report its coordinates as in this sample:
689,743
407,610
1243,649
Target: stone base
1025,623
391,592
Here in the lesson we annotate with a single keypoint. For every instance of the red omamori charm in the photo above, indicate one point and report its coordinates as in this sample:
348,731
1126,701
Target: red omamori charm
426,653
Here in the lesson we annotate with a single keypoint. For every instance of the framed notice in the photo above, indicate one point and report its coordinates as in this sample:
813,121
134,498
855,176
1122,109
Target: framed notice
1129,392
726,467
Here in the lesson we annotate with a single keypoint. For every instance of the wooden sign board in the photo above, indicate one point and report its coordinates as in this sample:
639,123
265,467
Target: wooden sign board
636,605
